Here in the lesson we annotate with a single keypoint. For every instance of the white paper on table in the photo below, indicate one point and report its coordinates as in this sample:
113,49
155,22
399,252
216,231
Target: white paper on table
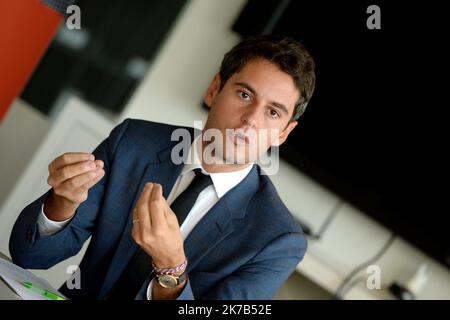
14,276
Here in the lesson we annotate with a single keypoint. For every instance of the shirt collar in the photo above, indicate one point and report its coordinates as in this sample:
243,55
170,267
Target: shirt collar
222,181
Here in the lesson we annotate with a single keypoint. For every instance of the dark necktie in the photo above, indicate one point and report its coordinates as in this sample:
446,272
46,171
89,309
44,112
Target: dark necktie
186,200
140,265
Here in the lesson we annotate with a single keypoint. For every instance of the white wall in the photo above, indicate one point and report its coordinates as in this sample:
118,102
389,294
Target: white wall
21,133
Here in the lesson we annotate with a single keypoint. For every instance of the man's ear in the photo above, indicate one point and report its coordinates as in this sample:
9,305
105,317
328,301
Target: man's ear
285,133
212,91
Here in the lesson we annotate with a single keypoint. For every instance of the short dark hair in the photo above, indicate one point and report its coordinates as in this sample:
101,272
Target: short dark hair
287,53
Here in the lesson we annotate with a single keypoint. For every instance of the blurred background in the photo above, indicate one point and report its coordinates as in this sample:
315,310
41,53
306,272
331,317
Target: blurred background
360,173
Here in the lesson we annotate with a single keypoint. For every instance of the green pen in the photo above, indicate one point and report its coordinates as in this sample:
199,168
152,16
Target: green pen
42,292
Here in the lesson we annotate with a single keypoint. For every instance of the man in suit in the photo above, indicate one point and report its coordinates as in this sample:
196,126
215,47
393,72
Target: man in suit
211,226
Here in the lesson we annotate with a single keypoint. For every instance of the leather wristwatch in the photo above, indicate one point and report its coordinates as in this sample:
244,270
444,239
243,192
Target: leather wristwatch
170,281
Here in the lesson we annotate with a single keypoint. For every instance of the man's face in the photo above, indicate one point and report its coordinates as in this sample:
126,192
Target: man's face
252,111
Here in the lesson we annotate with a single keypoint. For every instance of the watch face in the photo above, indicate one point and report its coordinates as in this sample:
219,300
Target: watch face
168,281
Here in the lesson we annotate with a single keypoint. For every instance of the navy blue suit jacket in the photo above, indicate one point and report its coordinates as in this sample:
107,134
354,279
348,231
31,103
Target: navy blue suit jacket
245,247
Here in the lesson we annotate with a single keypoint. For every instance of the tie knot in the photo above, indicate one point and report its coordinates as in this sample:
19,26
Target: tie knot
200,181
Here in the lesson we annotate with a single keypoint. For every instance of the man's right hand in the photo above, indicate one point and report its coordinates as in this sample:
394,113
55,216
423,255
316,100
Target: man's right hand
71,175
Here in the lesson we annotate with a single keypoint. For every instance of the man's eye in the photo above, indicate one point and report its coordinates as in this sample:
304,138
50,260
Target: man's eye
273,113
244,95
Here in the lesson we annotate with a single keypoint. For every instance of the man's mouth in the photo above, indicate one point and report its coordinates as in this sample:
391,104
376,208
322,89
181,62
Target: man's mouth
240,138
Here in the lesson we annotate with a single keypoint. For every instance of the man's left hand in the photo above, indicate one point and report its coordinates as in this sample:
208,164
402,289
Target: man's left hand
156,229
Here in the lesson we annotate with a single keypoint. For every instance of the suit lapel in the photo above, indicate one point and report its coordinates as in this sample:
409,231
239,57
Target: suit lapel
218,222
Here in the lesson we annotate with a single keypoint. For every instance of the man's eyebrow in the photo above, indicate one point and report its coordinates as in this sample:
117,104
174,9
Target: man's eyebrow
248,87
277,105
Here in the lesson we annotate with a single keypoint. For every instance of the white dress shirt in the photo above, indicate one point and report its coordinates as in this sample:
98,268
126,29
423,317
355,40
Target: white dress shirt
222,183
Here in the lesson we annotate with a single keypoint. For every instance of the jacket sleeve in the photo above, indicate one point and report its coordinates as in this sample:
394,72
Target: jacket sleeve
261,277
30,249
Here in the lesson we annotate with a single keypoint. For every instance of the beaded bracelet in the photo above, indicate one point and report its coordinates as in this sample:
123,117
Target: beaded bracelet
175,270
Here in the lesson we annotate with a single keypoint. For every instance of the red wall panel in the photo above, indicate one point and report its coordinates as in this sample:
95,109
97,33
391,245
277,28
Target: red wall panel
26,30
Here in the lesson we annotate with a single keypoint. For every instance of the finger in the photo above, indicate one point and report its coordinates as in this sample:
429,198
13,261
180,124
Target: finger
99,163
71,171
135,215
171,217
142,208
93,182
156,208
167,210
136,231
79,181
70,158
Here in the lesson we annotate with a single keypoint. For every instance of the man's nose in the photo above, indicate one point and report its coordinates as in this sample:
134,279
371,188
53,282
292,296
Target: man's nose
252,114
